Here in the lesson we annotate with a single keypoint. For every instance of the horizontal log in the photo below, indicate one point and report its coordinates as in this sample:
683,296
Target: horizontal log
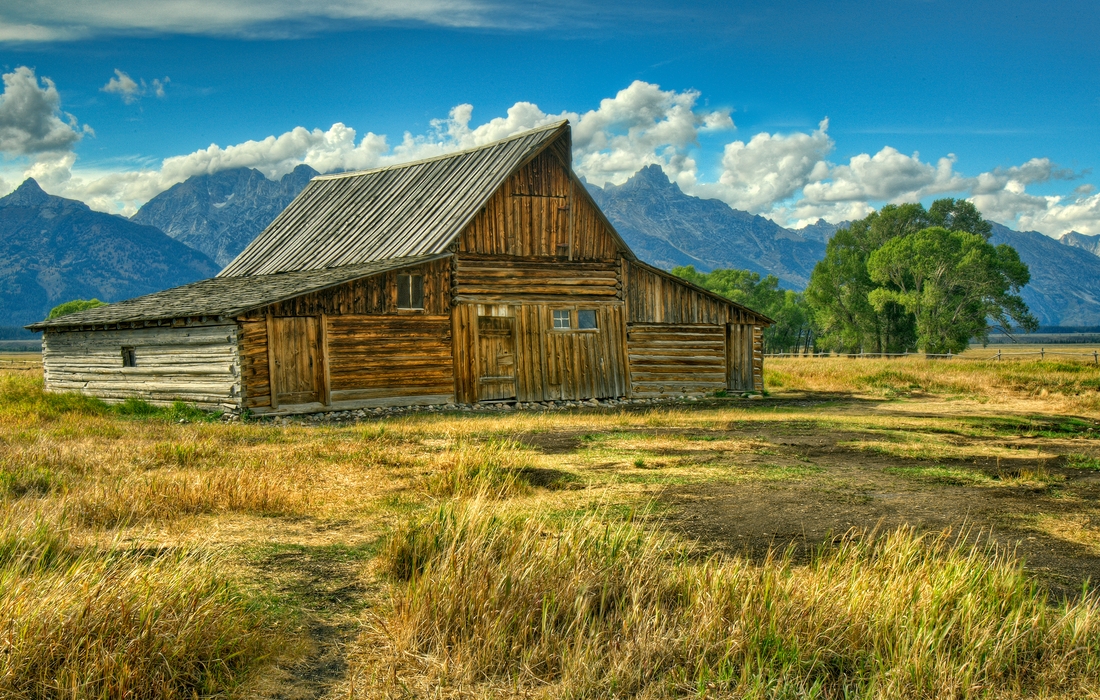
350,405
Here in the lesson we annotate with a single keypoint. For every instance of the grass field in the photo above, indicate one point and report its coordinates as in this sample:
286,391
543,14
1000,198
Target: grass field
872,529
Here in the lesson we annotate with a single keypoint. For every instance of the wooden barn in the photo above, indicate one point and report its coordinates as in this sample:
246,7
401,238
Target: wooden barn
485,275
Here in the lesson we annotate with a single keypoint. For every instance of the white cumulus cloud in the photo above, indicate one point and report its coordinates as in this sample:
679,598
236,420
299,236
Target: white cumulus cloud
30,116
786,177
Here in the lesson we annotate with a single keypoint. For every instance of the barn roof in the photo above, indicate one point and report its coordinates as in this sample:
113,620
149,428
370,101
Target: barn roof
403,210
225,296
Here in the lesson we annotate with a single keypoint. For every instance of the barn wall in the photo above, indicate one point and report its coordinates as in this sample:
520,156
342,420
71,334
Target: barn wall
675,359
656,298
196,364
373,357
370,295
539,212
373,354
547,364
573,364
497,279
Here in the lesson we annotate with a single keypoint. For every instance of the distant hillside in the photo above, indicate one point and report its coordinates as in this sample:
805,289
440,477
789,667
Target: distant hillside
54,249
220,214
1065,280
1082,241
666,227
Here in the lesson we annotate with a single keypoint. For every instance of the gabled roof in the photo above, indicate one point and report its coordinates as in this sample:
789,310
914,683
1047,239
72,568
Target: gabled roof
404,210
225,296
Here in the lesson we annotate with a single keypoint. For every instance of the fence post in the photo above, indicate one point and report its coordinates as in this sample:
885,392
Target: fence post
1095,359
1042,354
998,355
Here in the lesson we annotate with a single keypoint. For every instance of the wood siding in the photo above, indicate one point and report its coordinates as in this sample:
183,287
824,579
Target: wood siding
740,357
370,295
550,364
484,278
196,364
368,361
657,298
668,359
541,211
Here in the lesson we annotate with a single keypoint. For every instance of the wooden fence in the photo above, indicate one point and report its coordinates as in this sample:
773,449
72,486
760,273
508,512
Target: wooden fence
1041,353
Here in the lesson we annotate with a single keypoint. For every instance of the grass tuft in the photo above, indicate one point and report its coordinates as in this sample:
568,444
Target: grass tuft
598,608
117,622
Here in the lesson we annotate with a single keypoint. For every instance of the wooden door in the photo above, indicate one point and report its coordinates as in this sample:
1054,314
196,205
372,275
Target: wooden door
296,349
738,357
496,358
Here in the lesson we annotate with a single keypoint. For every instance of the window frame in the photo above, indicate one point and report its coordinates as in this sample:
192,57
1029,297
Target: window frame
595,320
411,286
572,314
554,317
129,356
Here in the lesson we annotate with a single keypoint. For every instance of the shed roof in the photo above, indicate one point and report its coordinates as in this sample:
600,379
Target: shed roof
403,210
225,296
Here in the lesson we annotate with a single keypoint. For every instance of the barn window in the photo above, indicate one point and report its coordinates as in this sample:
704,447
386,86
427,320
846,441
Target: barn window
561,320
128,357
410,291
586,319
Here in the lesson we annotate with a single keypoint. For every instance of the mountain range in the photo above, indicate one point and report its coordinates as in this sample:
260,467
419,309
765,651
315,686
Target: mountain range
220,214
667,228
1083,241
54,249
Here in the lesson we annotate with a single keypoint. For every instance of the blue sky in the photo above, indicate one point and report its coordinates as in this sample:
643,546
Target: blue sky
1001,100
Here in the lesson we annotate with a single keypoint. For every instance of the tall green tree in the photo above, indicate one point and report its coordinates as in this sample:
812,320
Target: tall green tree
841,286
794,325
953,283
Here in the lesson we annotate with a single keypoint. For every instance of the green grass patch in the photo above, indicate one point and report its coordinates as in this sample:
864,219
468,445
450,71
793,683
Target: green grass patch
940,474
1080,461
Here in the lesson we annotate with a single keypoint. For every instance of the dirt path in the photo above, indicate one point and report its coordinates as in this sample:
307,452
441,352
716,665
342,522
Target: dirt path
855,490
324,584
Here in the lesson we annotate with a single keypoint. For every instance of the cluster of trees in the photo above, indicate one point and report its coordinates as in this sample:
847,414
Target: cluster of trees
902,279
794,326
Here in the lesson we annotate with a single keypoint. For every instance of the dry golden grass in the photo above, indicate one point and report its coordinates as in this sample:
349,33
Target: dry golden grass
1072,386
119,622
492,605
257,526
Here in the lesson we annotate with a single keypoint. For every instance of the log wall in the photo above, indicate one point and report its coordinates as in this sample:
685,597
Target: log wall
196,364
675,359
541,211
499,279
391,357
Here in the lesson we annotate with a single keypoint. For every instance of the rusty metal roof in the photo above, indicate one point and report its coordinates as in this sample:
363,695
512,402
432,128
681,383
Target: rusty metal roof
224,296
404,210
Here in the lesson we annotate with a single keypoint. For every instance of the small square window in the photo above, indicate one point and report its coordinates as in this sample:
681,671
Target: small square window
128,359
586,319
410,291
561,320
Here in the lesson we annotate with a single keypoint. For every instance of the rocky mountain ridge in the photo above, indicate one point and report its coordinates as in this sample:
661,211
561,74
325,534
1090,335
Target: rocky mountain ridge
666,227
219,214
53,250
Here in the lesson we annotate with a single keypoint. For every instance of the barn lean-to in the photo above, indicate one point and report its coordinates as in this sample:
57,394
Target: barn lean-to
485,275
